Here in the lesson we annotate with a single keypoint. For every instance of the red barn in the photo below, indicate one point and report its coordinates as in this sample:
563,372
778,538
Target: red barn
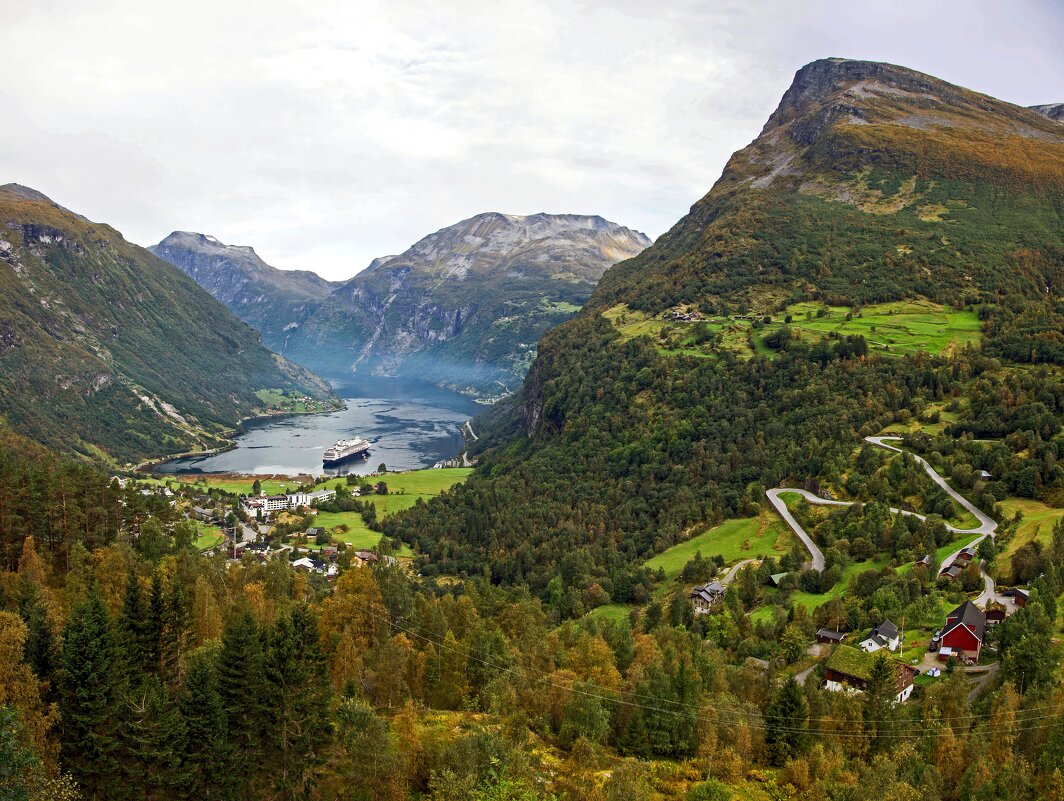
962,635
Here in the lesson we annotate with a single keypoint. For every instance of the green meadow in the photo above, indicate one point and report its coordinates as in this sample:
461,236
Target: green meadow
735,540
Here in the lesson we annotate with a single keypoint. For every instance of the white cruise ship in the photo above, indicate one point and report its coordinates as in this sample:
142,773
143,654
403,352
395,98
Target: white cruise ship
345,449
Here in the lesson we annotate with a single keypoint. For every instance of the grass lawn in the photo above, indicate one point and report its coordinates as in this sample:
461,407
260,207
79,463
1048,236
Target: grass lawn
736,539
900,327
209,536
404,490
812,600
1037,524
618,612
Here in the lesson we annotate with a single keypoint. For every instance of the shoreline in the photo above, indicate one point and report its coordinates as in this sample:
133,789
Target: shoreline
147,465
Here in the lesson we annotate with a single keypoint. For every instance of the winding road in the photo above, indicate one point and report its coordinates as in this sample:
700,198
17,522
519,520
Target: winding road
986,526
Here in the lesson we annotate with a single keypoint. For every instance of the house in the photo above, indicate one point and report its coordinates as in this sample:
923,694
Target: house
984,474
1021,597
951,572
962,636
776,578
363,558
848,669
706,596
310,563
200,513
312,533
829,636
995,613
923,561
885,635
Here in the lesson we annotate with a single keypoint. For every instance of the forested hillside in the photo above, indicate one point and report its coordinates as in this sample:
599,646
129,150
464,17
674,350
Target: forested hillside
109,352
690,383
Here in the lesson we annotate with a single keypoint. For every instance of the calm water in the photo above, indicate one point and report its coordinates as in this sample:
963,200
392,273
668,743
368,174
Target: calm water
409,425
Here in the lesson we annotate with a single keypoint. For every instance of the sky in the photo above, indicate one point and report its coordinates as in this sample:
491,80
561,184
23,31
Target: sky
325,134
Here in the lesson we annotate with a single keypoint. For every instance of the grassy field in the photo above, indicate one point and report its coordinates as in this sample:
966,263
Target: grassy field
615,612
209,536
295,402
404,490
238,485
737,539
900,327
1037,524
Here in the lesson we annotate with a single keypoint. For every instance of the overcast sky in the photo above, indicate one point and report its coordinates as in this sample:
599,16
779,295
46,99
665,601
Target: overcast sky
325,134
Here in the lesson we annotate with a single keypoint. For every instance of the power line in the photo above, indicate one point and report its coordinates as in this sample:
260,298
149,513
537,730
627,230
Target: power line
543,679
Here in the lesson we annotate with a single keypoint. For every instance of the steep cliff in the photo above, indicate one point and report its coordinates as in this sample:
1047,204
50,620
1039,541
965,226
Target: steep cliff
271,301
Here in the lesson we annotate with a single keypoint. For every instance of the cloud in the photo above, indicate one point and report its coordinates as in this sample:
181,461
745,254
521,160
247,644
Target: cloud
326,134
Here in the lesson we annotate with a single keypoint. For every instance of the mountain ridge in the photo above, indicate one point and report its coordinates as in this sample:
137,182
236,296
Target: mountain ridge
112,353
696,376
463,306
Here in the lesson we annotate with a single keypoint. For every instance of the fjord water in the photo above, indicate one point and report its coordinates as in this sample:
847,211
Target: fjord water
408,424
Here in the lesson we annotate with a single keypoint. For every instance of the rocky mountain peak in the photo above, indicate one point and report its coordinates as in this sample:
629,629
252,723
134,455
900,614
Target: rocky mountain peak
1055,111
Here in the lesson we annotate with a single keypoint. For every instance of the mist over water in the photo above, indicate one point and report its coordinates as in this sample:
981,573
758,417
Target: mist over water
408,424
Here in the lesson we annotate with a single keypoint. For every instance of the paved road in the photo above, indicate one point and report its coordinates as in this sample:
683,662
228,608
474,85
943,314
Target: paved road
986,525
733,571
985,528
774,498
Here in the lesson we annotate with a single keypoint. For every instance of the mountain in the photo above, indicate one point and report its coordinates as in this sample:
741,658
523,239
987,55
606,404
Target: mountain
889,244
466,305
110,352
1055,111
267,299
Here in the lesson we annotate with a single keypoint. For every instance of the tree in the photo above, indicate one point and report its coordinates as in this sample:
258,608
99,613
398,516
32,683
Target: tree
786,719
586,715
89,698
152,736
453,684
242,688
710,790
298,688
207,752
17,763
793,643
879,709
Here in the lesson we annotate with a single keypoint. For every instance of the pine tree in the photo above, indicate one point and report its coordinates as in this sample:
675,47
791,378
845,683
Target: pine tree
879,710
208,755
131,624
152,735
786,719
40,649
89,698
242,688
298,689
155,620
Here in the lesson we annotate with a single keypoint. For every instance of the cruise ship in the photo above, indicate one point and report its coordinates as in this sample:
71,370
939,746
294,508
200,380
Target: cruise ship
345,449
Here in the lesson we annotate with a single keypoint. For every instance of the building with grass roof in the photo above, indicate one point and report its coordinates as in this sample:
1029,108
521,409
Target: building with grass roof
848,670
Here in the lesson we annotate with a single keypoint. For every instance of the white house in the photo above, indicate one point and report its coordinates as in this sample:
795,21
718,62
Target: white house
885,635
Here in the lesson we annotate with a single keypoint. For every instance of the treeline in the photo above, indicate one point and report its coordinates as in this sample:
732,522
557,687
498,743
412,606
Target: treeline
184,679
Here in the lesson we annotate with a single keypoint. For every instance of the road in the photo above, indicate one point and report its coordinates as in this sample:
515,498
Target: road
733,571
774,498
986,526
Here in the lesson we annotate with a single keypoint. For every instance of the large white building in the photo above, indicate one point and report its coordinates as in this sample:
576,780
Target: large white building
253,504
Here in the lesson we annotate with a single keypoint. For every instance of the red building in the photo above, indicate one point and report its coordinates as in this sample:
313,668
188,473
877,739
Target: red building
962,636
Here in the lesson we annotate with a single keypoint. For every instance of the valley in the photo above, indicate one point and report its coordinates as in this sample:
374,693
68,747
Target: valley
769,508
